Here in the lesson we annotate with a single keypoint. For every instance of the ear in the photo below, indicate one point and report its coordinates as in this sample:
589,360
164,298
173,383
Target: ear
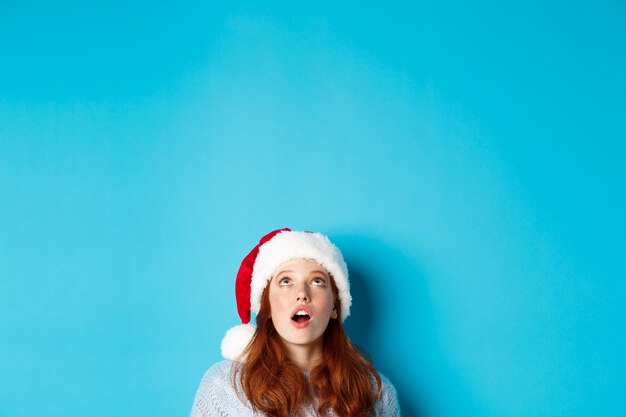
333,314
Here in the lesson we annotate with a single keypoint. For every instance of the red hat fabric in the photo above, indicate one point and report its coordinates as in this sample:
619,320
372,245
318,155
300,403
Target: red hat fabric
244,277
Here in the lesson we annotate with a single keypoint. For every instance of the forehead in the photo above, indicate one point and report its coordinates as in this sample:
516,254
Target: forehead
301,265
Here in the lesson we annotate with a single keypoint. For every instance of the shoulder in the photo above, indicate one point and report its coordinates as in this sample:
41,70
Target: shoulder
387,404
217,396
221,371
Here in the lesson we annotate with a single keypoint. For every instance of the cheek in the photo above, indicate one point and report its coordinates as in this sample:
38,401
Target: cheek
277,304
326,301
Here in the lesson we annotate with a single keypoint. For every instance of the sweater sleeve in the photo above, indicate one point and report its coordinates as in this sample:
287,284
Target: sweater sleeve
204,403
216,396
387,405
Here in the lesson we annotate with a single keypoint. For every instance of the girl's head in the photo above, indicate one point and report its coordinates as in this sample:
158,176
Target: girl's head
301,302
297,271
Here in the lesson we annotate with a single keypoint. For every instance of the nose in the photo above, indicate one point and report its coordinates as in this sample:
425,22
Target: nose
303,293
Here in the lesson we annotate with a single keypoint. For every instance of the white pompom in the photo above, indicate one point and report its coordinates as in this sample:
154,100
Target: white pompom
236,340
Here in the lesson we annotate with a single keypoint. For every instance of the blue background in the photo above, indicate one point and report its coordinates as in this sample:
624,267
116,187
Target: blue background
467,157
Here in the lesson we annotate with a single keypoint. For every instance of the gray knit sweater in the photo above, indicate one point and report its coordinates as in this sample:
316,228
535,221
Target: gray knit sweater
217,397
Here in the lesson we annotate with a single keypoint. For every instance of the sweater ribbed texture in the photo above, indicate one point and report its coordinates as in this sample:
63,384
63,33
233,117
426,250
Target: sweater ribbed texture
217,397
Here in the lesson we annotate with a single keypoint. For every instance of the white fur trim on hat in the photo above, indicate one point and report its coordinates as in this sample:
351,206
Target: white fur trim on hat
236,340
288,245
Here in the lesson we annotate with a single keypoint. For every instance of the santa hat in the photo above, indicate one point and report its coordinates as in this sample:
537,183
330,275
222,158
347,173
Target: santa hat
258,267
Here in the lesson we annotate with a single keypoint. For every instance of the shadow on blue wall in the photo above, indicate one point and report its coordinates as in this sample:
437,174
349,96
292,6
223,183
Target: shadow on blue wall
378,276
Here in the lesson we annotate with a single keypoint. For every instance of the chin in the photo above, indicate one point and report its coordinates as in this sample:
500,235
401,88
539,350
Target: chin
301,340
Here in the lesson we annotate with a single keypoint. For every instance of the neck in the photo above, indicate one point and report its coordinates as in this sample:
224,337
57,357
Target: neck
305,356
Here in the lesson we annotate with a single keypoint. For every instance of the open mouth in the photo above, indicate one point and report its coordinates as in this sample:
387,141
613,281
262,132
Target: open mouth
301,316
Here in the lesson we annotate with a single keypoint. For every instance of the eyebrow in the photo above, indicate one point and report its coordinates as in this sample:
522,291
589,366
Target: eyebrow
314,271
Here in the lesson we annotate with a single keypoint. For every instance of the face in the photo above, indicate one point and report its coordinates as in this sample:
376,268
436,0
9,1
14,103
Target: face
301,301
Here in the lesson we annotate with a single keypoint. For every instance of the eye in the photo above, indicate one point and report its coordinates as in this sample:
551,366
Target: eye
318,281
284,281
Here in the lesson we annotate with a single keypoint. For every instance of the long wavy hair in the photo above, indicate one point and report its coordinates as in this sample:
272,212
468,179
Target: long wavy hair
343,381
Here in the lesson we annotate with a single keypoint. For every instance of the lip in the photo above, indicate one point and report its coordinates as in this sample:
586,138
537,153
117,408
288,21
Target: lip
307,310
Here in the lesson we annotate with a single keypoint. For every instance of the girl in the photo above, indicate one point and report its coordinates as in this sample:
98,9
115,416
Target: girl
297,361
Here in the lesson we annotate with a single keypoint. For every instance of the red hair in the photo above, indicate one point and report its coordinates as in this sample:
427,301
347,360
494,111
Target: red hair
274,385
